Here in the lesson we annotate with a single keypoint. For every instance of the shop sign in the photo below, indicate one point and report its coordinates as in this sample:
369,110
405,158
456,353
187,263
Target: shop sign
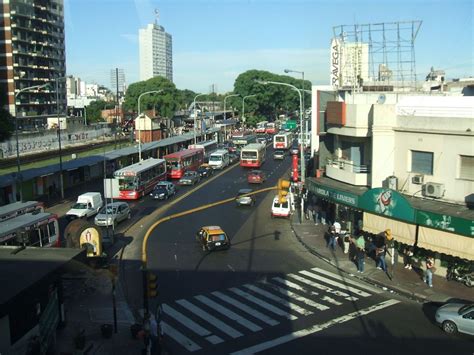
343,197
387,202
445,222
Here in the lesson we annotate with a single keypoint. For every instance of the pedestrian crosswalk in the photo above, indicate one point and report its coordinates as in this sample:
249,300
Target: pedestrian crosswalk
210,319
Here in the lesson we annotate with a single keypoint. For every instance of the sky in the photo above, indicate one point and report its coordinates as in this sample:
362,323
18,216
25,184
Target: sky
216,40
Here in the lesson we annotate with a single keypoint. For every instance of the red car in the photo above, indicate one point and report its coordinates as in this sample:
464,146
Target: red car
256,177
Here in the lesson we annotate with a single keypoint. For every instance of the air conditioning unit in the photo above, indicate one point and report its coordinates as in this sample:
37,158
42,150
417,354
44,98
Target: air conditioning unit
417,179
433,189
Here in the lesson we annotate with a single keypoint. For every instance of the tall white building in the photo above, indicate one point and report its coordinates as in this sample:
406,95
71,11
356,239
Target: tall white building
117,80
156,52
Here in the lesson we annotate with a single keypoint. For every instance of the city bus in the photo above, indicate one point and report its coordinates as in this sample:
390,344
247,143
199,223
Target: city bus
180,162
261,127
282,140
241,141
136,180
208,147
271,128
15,209
253,155
39,229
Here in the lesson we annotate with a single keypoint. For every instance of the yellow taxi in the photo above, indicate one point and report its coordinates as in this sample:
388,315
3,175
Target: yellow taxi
212,238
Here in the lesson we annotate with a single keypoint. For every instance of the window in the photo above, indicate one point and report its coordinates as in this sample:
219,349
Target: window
422,162
466,169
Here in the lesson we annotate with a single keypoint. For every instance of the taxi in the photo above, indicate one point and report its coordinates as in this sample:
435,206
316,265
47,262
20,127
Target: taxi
212,238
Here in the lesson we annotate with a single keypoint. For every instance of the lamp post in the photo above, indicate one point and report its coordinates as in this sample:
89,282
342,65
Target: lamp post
194,109
243,106
304,108
225,98
139,126
16,137
61,180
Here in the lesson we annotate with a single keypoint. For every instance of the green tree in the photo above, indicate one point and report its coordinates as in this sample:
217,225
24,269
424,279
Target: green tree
6,125
94,110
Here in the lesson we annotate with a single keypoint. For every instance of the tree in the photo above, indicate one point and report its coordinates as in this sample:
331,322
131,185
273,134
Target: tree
7,126
94,110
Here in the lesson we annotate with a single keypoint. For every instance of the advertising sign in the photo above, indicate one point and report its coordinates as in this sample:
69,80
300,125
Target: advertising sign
91,241
387,202
335,65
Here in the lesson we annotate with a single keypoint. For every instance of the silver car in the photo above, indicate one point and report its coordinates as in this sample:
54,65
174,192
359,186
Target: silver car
113,214
456,317
190,178
242,200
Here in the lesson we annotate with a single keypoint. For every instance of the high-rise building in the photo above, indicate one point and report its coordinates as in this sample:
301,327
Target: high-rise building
117,76
32,54
156,52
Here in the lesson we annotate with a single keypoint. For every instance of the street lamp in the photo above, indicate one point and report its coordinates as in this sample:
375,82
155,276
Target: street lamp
243,106
16,137
194,109
225,98
304,108
139,126
61,179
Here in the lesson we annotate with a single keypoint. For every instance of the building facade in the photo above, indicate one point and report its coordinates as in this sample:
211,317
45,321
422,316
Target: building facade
156,52
117,81
32,55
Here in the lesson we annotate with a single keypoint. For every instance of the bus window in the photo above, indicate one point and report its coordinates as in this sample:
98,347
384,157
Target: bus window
127,183
44,235
34,238
52,230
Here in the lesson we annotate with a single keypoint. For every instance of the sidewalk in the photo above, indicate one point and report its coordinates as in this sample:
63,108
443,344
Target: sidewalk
401,280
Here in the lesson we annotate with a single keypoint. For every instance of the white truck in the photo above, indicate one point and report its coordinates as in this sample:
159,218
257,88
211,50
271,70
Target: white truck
87,205
219,159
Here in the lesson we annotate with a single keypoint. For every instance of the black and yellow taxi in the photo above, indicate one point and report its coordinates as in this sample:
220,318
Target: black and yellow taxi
212,238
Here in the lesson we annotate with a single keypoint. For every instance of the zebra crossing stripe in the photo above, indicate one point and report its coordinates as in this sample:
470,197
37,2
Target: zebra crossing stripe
302,289
314,329
228,313
323,287
263,304
348,280
253,312
279,300
190,324
179,337
335,283
298,298
210,319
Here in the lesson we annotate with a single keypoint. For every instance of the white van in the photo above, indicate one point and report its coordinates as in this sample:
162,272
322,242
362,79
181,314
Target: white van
219,159
87,205
282,209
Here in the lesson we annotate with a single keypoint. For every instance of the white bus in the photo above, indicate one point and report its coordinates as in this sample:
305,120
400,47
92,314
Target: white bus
261,126
15,209
219,159
208,147
253,155
283,140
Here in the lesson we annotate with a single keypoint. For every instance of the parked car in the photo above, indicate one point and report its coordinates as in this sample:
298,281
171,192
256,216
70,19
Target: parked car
456,317
256,177
279,154
245,200
233,158
212,238
205,171
163,190
112,214
190,177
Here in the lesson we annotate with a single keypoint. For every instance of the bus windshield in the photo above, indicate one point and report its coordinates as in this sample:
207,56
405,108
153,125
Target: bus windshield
173,165
127,183
279,138
249,155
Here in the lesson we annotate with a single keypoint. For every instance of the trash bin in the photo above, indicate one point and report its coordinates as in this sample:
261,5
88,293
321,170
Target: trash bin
106,330
134,329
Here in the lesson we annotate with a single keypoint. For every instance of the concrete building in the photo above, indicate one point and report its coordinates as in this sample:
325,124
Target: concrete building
33,54
117,81
156,52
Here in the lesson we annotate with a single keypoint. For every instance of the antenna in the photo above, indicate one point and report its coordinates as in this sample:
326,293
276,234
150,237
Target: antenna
157,16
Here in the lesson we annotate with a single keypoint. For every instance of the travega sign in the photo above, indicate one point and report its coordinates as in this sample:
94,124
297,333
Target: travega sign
335,66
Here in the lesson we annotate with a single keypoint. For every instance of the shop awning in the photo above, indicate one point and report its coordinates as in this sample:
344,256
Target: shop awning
401,231
446,243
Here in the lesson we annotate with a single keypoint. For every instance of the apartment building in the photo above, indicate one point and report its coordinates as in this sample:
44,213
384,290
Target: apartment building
156,52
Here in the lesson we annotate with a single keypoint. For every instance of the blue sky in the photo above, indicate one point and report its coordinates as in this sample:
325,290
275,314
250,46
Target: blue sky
216,40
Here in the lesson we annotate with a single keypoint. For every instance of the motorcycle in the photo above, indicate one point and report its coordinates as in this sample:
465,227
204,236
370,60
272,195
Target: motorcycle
461,275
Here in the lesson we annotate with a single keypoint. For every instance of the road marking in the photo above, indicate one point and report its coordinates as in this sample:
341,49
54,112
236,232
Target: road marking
314,329
228,313
335,283
297,297
322,287
263,304
302,289
279,300
189,323
254,313
348,280
210,319
179,338
230,267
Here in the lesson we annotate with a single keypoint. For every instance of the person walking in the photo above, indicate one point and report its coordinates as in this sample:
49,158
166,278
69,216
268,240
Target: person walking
360,253
429,271
390,243
332,238
380,258
408,257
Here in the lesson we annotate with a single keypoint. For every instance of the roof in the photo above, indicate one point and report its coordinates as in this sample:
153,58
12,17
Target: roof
182,153
138,167
10,225
17,265
213,229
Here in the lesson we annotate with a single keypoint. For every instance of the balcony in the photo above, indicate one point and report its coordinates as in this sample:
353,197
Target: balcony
346,171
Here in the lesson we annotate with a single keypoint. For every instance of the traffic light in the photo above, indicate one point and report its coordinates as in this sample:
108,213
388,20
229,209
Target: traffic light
283,186
151,284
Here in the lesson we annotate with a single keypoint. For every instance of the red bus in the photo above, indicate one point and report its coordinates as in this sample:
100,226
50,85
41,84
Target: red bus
261,127
136,180
283,140
180,162
253,155
271,128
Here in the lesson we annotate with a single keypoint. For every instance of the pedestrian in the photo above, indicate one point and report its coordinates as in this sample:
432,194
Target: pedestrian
430,268
390,243
346,240
408,257
380,258
360,253
309,211
316,214
332,238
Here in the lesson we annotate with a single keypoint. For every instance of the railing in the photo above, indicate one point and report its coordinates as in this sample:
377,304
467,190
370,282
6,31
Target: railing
348,165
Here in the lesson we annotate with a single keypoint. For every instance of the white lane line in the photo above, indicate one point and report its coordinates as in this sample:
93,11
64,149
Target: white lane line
179,337
230,267
228,313
190,324
335,283
323,287
210,319
263,304
297,297
253,312
347,280
279,300
314,329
